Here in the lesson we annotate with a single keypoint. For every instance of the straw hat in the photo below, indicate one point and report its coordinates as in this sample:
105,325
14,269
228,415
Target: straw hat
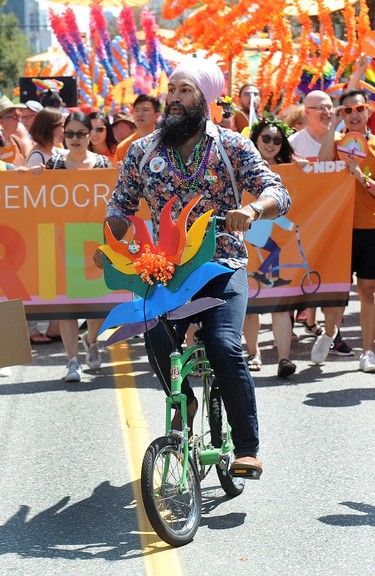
6,104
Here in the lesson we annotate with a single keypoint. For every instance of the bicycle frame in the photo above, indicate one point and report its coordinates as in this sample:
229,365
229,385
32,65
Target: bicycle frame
191,361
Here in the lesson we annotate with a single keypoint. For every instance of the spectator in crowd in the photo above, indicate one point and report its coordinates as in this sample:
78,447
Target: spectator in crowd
306,144
122,126
77,132
361,65
29,113
102,138
270,136
229,110
294,116
146,110
354,110
47,133
15,146
248,93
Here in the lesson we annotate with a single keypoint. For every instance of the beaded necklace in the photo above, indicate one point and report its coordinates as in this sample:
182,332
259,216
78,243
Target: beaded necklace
174,159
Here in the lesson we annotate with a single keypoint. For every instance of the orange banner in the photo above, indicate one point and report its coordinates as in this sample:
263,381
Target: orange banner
310,248
50,226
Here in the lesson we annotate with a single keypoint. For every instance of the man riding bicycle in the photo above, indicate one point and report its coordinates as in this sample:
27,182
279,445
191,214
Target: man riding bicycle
188,155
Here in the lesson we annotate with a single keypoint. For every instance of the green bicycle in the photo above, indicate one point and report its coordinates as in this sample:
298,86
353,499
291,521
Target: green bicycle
174,464
166,277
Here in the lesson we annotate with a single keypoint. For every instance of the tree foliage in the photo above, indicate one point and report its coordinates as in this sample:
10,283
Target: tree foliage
14,50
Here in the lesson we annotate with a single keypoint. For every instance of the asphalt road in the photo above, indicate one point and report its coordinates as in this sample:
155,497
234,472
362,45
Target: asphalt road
70,453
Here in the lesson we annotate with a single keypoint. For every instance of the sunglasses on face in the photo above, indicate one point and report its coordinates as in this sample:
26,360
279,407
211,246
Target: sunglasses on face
358,107
266,138
80,135
99,129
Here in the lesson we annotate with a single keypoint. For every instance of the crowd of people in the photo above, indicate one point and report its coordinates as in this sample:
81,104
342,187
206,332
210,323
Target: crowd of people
44,135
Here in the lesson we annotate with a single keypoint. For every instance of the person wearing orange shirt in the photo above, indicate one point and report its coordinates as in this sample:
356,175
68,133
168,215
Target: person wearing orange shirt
354,109
146,110
247,93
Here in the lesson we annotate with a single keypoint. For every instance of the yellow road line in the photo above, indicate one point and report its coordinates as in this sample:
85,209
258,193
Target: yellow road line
160,559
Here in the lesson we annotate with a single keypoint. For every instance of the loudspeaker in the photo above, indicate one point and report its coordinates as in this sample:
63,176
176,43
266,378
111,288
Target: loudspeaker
68,92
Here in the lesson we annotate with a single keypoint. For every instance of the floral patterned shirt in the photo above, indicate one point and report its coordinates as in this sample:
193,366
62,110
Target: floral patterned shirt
157,182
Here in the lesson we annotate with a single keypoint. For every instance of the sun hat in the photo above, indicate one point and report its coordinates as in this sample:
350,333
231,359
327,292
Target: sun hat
34,106
6,104
122,117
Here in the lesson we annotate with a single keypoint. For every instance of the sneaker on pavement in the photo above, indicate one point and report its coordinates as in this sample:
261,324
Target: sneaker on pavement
340,347
93,359
367,361
321,347
74,371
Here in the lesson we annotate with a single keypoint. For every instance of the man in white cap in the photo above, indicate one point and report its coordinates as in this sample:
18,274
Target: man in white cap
29,113
186,156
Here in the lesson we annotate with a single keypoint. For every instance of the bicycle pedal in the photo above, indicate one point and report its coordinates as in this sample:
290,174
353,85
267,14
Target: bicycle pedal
249,473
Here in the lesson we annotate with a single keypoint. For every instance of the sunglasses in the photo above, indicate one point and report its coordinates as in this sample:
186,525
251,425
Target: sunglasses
358,108
99,129
80,135
266,138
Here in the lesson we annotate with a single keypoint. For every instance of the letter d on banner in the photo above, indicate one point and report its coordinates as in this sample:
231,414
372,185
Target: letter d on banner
77,285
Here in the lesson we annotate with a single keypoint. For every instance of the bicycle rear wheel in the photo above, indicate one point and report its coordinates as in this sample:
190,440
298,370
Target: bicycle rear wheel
231,486
174,512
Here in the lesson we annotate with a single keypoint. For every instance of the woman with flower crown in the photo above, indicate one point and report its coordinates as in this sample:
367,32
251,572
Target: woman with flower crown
270,136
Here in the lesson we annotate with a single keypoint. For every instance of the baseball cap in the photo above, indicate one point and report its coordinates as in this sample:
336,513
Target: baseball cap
34,106
122,117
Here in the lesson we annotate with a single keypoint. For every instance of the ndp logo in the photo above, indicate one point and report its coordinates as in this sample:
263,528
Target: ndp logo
326,167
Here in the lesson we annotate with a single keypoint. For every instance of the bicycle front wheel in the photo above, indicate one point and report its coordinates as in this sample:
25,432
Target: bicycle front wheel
173,510
232,486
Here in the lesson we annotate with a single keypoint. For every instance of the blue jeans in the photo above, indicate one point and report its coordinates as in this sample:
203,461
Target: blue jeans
222,329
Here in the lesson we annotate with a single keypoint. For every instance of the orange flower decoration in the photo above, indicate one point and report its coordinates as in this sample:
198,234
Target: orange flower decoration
153,267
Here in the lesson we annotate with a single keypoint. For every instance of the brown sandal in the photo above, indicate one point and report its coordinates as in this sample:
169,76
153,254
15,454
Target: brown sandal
315,329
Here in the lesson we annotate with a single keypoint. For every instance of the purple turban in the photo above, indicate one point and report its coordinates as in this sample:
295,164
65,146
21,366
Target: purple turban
206,75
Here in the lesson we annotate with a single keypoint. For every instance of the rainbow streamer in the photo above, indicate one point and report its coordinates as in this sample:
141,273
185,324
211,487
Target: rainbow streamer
152,45
129,33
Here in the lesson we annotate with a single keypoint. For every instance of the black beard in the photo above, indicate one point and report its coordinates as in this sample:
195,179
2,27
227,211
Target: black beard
176,130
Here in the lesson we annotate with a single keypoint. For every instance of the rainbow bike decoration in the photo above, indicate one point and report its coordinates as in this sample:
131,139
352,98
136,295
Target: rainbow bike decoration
166,277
